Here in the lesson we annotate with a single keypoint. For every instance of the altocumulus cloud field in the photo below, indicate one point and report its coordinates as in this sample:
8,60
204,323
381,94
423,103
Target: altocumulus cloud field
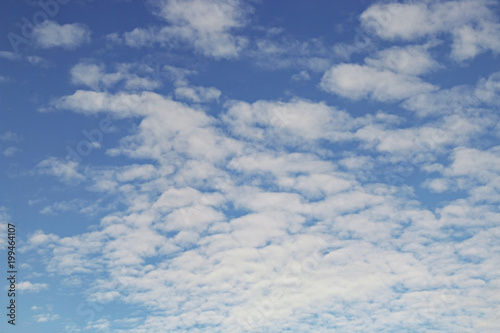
251,166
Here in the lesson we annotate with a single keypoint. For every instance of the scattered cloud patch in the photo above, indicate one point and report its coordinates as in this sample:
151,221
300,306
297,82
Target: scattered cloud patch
93,75
50,34
65,171
10,151
28,287
472,24
360,81
207,26
197,94
43,318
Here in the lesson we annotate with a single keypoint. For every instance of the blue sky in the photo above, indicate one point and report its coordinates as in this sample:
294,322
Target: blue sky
252,166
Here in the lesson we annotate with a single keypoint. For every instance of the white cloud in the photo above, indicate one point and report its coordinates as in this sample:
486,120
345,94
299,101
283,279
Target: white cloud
50,34
301,76
160,135
460,99
472,170
136,172
299,118
92,75
355,82
66,171
470,41
484,166
28,287
412,20
98,325
138,37
306,237
10,151
409,21
134,77
74,205
32,59
43,318
410,60
39,238
438,185
488,90
90,102
197,94
206,25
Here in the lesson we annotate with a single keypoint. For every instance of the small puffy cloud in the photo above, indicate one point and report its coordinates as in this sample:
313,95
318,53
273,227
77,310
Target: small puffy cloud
28,287
197,94
66,171
356,82
301,76
9,55
39,238
442,101
138,37
411,60
50,34
36,60
121,105
10,151
438,185
43,318
136,172
488,90
94,76
389,75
